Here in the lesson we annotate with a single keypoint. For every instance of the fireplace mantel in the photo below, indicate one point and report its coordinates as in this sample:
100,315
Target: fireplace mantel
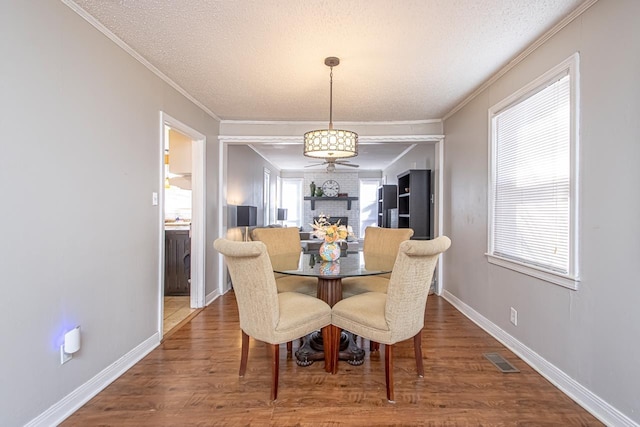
330,199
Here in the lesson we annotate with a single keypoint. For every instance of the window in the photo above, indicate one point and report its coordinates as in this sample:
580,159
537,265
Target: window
533,178
266,199
292,199
368,204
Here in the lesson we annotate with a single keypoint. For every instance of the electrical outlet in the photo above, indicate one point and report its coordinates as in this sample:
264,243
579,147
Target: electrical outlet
514,316
64,357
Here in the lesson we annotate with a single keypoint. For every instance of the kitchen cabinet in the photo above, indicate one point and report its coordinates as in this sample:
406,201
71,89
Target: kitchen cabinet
387,199
177,262
179,153
415,203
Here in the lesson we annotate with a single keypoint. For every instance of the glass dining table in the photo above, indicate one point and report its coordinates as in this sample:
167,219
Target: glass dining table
329,289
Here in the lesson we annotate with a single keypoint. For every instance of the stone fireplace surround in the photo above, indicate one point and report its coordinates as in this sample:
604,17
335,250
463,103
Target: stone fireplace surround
349,183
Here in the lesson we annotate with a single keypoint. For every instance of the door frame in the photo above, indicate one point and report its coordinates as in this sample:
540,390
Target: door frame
198,231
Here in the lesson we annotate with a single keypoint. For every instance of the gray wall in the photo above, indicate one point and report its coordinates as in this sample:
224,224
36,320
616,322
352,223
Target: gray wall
79,161
422,156
245,177
590,334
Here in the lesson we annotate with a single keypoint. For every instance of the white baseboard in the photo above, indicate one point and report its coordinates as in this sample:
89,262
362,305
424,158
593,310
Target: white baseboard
211,297
576,391
74,400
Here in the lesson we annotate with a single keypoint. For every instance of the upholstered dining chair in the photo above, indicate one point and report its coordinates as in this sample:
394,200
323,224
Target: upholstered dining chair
283,241
397,315
380,249
265,314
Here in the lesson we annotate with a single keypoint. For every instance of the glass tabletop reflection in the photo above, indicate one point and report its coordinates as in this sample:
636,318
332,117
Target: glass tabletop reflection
350,264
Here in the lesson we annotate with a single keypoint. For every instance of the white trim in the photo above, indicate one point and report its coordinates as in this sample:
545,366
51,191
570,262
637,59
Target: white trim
62,409
570,280
222,217
576,391
198,224
298,140
324,123
198,221
124,46
531,270
212,296
518,59
439,165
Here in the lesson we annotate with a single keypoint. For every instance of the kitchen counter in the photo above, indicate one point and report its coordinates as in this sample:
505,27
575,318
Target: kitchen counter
177,226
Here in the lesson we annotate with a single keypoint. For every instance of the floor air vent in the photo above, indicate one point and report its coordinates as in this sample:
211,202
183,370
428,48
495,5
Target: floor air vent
501,363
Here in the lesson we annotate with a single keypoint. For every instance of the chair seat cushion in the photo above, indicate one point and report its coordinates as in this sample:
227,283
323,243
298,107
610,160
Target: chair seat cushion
359,285
363,315
300,315
303,285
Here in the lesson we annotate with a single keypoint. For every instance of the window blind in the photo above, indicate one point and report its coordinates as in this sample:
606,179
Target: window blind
532,181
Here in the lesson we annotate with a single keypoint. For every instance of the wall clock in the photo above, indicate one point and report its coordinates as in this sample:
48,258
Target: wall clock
330,188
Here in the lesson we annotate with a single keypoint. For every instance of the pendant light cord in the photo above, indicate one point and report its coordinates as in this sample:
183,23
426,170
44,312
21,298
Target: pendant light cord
331,99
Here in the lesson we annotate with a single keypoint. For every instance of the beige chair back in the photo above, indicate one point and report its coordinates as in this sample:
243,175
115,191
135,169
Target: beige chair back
254,286
381,245
409,285
236,234
279,240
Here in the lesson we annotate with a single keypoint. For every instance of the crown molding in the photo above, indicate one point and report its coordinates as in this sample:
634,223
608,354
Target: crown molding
297,140
324,123
124,46
525,53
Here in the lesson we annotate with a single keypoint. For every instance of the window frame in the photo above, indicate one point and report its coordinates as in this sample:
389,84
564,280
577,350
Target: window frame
570,280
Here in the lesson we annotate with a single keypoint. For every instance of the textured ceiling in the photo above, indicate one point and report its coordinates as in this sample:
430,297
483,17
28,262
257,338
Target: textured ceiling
263,60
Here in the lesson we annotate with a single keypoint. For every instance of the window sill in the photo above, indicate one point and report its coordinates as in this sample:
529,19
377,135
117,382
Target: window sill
565,281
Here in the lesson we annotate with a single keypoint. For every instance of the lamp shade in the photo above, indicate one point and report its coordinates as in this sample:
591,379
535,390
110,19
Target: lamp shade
282,214
331,143
246,216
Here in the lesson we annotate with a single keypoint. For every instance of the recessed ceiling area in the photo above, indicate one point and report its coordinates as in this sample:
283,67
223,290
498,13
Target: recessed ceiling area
246,60
371,156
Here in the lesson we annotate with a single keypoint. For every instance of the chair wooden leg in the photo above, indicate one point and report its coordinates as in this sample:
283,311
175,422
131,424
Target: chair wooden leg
244,354
417,348
275,365
374,346
388,370
335,347
289,346
327,339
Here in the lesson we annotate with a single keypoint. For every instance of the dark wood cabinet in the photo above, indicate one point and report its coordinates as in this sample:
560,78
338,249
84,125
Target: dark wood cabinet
387,199
177,262
414,202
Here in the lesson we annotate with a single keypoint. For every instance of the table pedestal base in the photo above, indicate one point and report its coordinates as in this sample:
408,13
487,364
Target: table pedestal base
313,349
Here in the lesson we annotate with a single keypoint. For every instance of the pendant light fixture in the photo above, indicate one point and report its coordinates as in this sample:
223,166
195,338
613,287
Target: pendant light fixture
331,143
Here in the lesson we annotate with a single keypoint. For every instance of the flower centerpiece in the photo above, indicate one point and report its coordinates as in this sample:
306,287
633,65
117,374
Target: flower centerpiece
332,234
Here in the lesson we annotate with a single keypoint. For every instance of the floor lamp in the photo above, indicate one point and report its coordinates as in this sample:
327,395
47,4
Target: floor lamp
246,217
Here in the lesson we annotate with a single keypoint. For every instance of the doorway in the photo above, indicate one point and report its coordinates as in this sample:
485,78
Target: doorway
182,224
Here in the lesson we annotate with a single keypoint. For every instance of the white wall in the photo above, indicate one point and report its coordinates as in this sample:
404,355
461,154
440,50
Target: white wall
80,158
349,183
591,334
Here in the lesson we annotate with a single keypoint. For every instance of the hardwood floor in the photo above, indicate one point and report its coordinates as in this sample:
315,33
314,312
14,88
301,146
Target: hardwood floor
192,379
177,312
